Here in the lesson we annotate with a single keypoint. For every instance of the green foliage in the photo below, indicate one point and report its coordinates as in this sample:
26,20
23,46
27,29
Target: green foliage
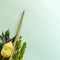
5,37
19,50
22,50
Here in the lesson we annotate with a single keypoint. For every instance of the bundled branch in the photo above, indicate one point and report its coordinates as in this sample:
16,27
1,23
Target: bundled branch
12,48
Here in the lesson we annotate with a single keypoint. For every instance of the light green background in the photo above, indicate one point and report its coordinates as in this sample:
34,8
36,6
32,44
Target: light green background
40,28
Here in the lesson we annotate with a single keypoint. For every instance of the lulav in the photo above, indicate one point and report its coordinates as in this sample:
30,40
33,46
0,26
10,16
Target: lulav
17,33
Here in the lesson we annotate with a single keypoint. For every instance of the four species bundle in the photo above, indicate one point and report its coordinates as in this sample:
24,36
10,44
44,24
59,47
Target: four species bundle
6,47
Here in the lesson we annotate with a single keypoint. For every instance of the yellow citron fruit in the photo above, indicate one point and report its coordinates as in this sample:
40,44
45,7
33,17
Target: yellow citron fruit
7,50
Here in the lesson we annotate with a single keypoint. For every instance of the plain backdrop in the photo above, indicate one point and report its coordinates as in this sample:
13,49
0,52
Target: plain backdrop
40,28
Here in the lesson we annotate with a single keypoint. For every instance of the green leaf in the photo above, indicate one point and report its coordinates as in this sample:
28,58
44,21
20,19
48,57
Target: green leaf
22,50
18,45
7,35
